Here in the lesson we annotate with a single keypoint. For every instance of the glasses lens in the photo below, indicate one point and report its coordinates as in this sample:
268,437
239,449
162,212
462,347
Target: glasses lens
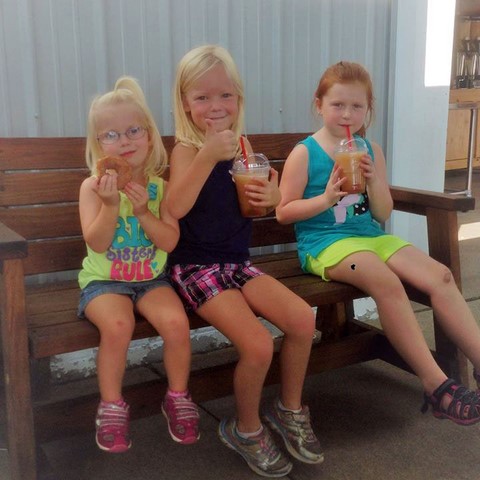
134,133
108,138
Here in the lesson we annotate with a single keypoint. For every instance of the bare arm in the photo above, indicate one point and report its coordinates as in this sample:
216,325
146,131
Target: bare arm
293,207
379,197
99,207
190,168
164,232
265,192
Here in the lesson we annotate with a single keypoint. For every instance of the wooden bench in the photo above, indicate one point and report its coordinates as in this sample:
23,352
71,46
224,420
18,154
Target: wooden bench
40,236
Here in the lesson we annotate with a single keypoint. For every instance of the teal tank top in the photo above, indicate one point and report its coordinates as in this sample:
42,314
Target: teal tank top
350,217
132,256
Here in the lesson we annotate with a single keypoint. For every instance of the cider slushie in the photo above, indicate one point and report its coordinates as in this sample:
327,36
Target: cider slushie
347,155
250,173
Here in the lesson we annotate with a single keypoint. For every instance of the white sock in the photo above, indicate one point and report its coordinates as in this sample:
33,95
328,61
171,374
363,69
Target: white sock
248,434
282,407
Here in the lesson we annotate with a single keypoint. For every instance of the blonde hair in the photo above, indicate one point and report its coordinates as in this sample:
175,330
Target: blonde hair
348,72
126,90
191,67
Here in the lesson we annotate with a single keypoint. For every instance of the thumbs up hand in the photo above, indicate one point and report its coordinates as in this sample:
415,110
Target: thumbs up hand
219,145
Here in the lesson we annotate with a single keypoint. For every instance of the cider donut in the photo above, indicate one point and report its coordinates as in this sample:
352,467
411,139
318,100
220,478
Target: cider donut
119,165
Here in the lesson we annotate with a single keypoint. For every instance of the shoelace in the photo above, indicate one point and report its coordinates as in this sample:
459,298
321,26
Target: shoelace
267,446
304,425
185,409
112,418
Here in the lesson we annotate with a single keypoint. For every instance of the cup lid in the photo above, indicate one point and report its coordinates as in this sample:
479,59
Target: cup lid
352,144
255,160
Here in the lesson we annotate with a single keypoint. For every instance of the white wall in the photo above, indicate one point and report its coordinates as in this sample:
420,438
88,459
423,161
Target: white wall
56,54
417,113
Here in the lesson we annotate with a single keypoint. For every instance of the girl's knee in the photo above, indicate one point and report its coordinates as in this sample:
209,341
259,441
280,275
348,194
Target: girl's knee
259,351
117,334
176,332
447,276
442,281
301,324
175,327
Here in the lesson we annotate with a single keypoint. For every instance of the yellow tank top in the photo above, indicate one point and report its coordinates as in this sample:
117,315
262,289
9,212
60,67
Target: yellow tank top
132,257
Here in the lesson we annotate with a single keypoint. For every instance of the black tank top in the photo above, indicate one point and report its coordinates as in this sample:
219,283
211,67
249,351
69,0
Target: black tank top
214,231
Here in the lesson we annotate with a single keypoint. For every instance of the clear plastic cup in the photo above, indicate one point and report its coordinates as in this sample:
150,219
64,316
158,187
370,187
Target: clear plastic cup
258,169
347,155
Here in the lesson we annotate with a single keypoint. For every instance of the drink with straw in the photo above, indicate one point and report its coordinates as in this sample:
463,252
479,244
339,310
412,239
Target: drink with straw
248,170
347,155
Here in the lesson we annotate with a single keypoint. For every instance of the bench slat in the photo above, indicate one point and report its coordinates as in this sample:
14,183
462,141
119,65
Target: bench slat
267,231
56,255
34,188
58,329
69,152
42,153
52,221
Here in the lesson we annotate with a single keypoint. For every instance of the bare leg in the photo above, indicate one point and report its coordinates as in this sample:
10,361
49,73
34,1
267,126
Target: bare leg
396,315
279,305
113,315
230,314
452,311
164,310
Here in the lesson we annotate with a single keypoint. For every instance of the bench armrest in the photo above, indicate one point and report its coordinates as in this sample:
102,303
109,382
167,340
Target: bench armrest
418,201
12,245
440,210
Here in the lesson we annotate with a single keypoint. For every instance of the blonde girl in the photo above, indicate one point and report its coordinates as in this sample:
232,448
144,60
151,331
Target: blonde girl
212,271
128,234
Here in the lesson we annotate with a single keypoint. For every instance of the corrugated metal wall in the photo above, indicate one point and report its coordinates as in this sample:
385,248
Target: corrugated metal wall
56,54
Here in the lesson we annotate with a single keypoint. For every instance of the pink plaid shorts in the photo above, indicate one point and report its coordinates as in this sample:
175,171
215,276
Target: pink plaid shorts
198,283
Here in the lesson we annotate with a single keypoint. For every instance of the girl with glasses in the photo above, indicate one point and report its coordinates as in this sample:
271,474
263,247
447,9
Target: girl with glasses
128,234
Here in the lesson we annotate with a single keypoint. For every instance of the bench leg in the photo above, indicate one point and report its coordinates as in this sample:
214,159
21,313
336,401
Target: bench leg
20,431
332,320
443,245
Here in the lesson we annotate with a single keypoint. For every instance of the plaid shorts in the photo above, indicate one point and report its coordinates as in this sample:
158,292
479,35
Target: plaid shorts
196,284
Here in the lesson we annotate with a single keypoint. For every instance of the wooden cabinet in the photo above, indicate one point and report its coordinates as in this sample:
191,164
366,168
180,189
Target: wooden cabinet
459,129
467,7
467,24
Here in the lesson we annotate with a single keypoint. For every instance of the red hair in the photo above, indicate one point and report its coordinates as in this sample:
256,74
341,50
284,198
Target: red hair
348,72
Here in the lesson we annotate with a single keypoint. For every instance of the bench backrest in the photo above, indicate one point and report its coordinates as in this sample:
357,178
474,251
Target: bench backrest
39,184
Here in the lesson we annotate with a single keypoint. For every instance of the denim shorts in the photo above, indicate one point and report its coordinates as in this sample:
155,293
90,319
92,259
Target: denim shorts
195,284
135,290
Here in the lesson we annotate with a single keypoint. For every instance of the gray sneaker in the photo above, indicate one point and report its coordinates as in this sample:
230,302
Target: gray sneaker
260,452
296,431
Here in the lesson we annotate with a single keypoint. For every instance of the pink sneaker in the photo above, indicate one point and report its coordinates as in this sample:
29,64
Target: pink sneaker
182,418
112,427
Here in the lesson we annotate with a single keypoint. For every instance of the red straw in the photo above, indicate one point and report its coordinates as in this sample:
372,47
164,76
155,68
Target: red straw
244,152
349,136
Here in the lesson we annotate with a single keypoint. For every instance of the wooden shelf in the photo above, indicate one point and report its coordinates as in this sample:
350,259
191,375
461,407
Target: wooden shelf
463,95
